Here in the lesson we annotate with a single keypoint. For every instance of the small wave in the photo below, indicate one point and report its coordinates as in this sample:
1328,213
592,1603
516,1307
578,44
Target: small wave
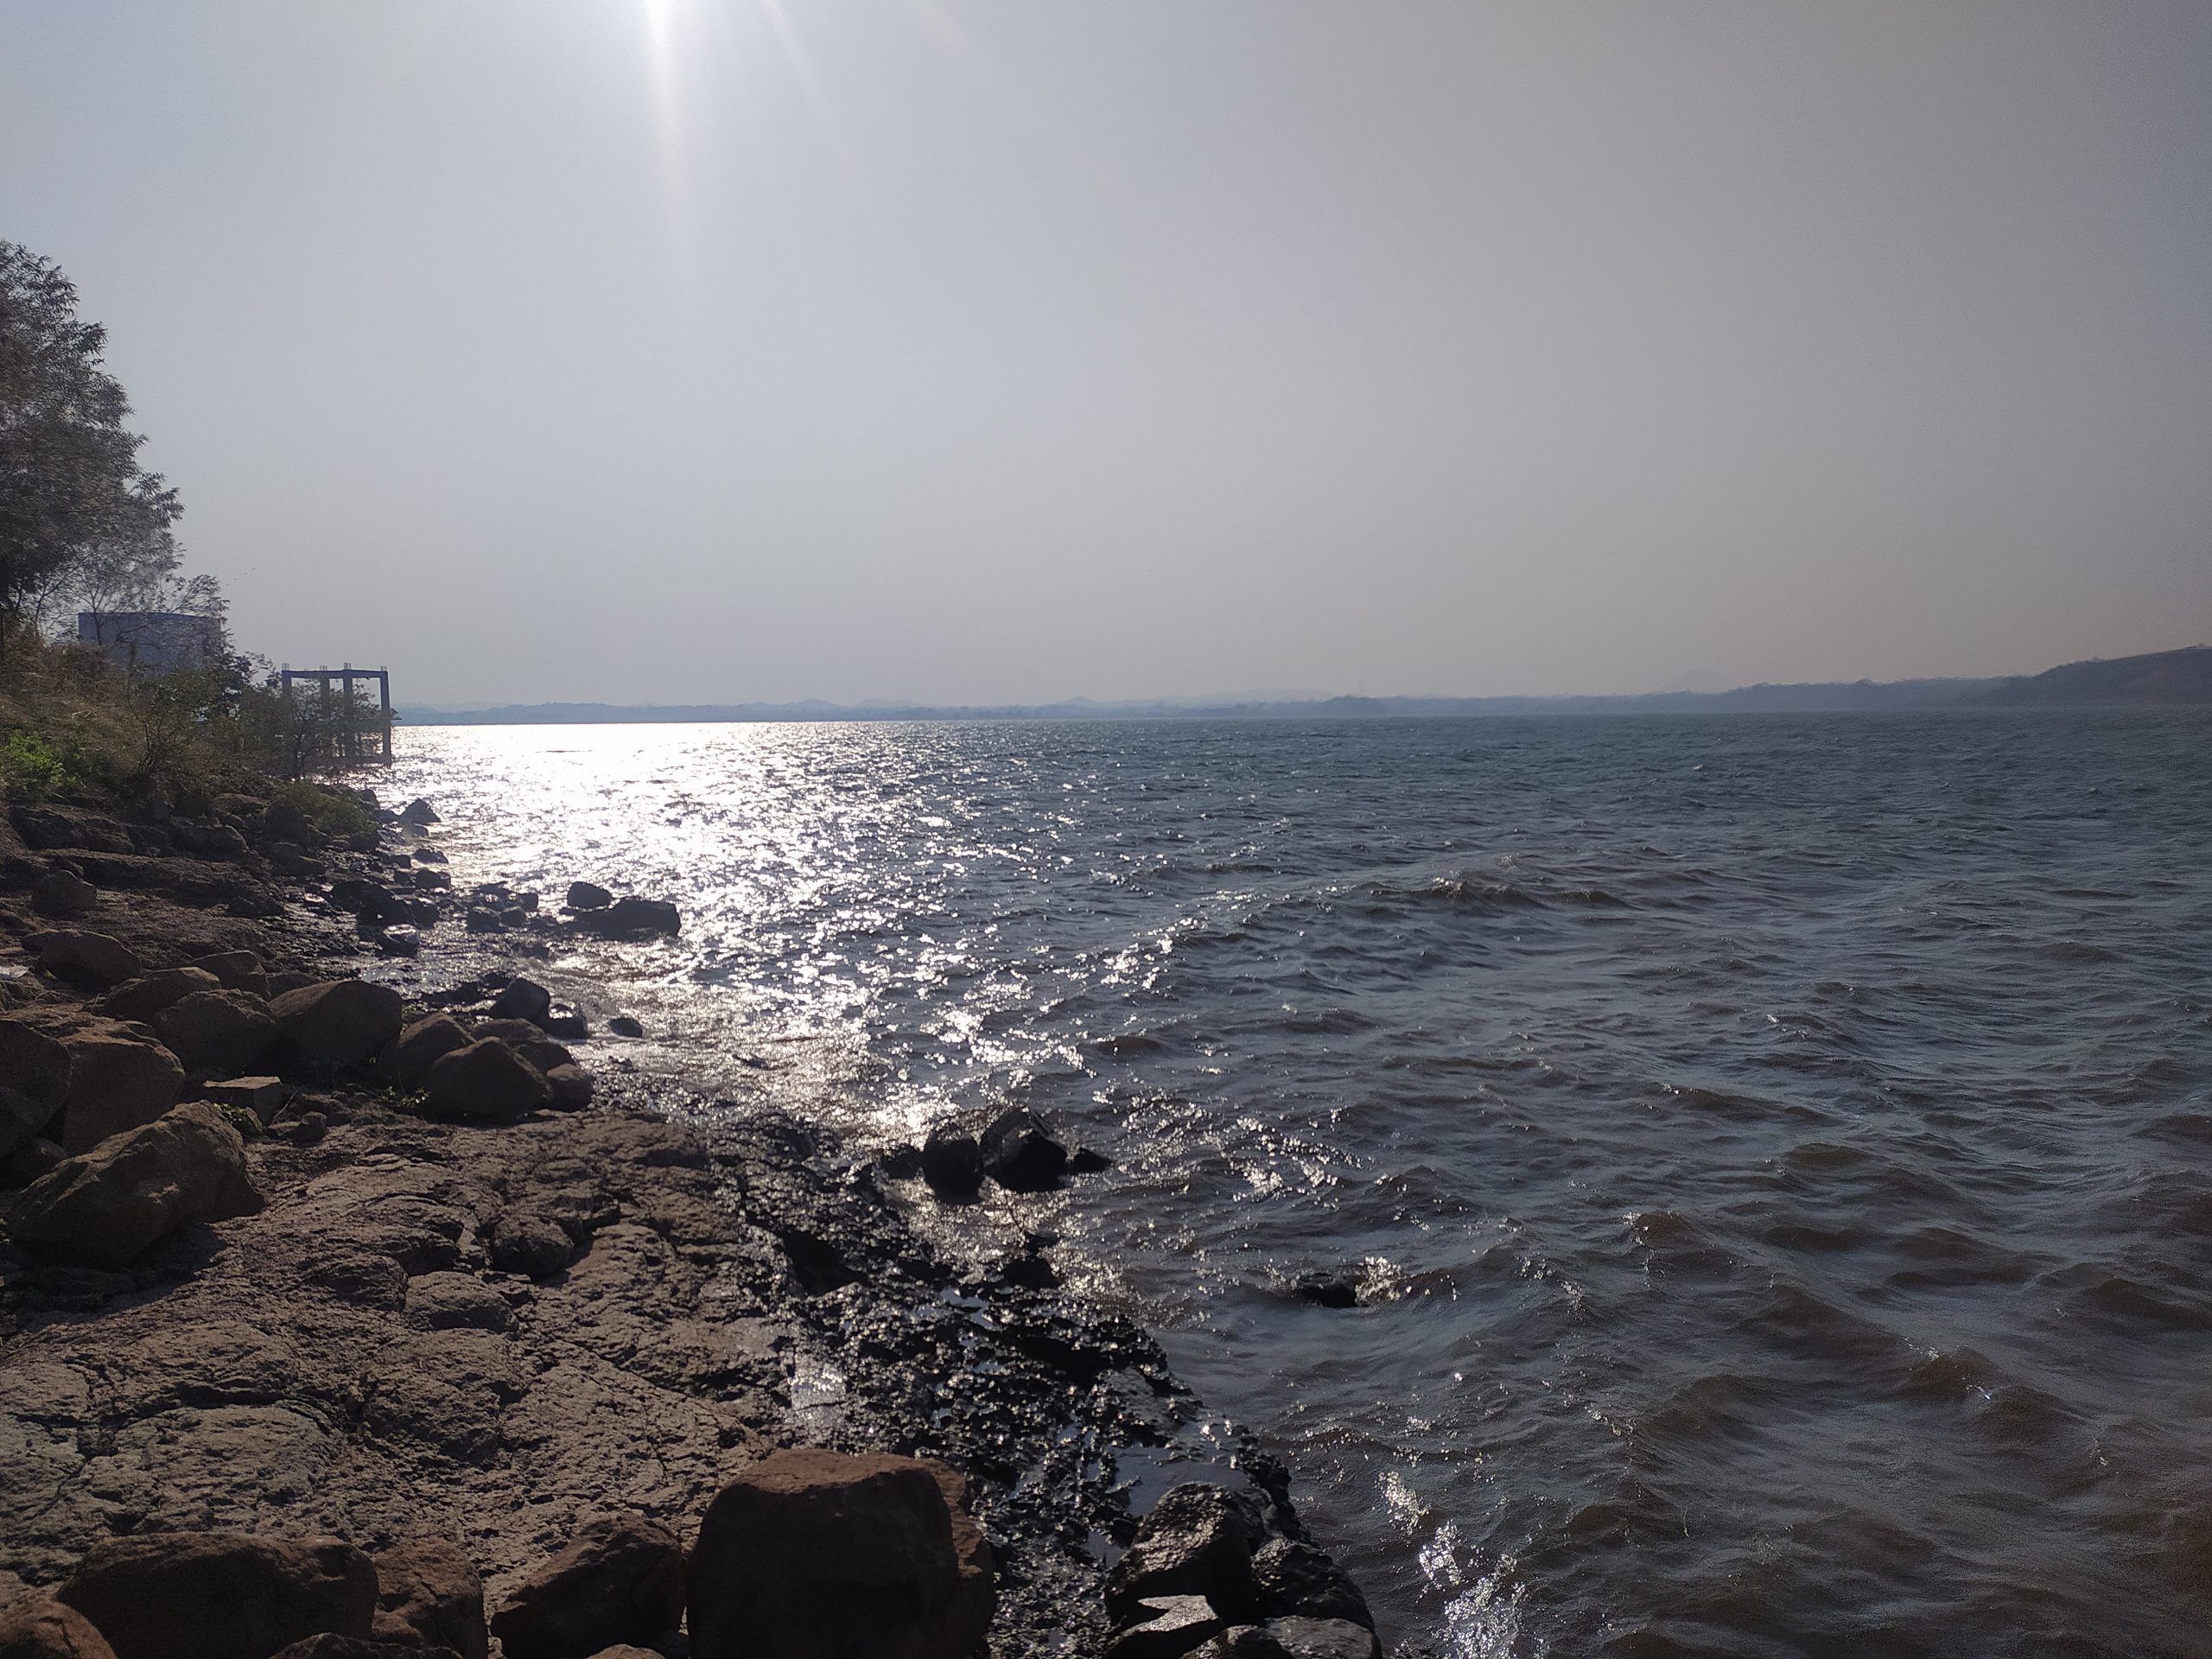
1127,1042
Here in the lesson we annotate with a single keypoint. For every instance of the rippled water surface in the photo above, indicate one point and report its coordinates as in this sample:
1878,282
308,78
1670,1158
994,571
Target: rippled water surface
1777,1154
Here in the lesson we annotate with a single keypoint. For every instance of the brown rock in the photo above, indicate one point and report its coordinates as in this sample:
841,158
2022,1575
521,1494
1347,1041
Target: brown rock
91,962
117,1082
451,1301
237,971
486,1080
571,1086
105,1206
620,1580
264,1096
814,1554
33,1083
221,1595
429,1594
38,1627
217,1031
531,1245
418,1046
60,893
339,1022
330,1646
147,995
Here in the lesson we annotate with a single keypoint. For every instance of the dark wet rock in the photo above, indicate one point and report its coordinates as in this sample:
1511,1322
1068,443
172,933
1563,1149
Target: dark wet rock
38,1627
236,970
1293,1638
563,1021
951,1162
372,901
623,1025
1087,1160
1293,1577
627,917
59,894
338,1022
400,941
1030,1270
522,998
419,811
819,1553
221,1595
33,1083
571,1086
1197,1541
1170,1627
1019,1154
328,1645
217,1031
261,1095
454,1301
620,1579
91,962
118,1081
900,1163
285,822
532,1244
1325,1289
478,920
147,996
488,1081
428,1595
105,1206
586,895
418,1046
34,1158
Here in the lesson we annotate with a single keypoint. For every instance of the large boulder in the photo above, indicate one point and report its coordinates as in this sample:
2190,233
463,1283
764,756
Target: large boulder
219,1032
105,1206
815,1555
571,1086
142,998
487,1080
221,1595
1197,1541
33,1083
60,893
418,1047
620,1579
1293,1577
339,1022
117,1082
430,1595
951,1162
1020,1152
91,962
38,1627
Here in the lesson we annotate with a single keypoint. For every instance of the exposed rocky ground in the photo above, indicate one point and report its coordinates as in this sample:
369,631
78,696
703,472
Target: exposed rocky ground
412,1280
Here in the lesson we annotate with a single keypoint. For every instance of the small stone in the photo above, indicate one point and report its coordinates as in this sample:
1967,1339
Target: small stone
531,1245
264,1096
1174,1626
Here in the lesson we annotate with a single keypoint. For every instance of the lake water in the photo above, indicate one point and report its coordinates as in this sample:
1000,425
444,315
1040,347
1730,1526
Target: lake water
1775,1153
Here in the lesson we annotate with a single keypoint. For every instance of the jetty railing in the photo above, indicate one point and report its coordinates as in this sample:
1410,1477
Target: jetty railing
341,726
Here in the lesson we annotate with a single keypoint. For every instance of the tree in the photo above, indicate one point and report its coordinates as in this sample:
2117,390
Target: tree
78,514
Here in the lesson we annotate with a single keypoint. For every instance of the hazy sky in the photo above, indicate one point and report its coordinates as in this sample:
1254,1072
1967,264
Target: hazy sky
687,350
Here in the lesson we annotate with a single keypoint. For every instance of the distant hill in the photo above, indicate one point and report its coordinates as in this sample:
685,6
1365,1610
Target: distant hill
2161,678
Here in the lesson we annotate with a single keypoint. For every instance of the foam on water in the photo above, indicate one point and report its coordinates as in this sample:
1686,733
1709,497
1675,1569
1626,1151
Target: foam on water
1774,1154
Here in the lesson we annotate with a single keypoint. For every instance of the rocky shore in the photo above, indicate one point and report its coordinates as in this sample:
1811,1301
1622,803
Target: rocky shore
331,1324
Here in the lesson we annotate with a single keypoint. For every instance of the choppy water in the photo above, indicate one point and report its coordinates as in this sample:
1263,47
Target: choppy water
1779,1151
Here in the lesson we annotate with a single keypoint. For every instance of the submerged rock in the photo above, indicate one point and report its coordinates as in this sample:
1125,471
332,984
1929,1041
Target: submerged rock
816,1553
221,1595
625,917
586,895
1019,1154
621,1580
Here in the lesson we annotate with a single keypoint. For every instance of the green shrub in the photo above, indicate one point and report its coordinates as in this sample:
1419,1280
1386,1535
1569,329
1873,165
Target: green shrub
30,767
240,1118
333,812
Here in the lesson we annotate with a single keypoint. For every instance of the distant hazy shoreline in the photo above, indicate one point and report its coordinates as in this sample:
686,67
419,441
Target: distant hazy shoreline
2161,679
